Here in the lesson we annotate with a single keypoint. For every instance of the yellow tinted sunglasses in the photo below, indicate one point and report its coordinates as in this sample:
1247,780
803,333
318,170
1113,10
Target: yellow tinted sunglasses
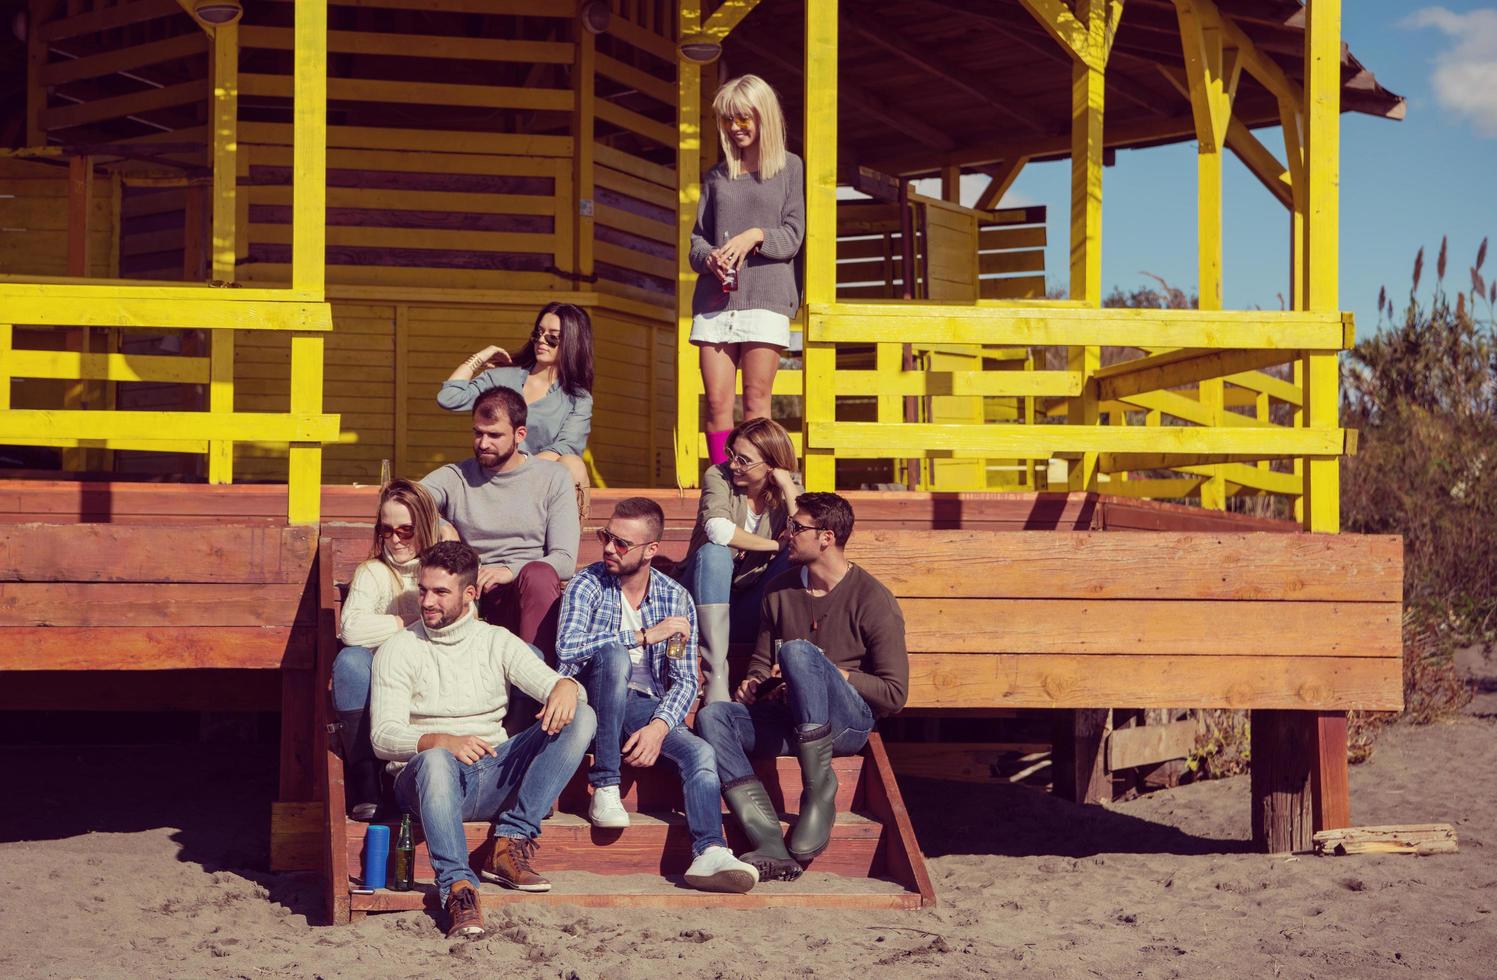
737,120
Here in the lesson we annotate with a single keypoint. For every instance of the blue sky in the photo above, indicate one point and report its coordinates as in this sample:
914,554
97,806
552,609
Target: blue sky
1403,184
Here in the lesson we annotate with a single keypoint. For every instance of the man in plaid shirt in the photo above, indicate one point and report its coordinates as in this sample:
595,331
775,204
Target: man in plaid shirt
629,634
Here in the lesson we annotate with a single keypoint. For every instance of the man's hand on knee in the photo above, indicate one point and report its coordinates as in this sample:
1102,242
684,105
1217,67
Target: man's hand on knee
643,747
466,749
560,707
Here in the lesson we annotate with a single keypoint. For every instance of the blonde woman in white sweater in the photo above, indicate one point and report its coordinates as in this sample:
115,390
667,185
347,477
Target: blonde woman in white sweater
382,601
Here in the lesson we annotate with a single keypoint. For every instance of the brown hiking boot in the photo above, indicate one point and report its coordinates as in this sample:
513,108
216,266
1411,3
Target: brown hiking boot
464,913
509,865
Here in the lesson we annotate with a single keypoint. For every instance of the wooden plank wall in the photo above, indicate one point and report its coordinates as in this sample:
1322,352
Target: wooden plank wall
34,221
634,150
119,71
386,361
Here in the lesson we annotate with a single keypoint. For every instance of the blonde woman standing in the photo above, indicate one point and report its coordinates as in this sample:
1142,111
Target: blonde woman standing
751,221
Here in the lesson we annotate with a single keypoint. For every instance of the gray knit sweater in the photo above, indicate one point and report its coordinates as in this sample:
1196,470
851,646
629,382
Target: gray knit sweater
770,278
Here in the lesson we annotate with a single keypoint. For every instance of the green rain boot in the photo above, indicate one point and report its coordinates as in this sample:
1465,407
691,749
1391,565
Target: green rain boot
818,797
712,649
750,804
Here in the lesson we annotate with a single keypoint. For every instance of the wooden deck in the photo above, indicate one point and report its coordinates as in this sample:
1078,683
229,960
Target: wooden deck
200,597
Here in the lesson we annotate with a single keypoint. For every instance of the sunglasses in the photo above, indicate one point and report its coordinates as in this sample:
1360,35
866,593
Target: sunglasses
620,545
551,339
743,462
795,527
742,122
404,532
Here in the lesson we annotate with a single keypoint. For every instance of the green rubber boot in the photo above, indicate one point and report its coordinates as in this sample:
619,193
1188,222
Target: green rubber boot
818,797
749,803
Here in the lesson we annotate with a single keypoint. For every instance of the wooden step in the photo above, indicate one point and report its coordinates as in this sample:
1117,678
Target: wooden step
653,843
813,889
658,788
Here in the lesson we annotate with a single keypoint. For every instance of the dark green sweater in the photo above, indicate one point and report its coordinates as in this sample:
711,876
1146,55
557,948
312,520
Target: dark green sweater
858,625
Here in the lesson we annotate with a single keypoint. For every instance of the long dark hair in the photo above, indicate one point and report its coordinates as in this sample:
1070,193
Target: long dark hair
574,361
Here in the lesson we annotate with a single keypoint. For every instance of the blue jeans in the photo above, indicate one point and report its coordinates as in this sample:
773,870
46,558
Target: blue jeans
351,670
622,712
709,579
816,695
531,769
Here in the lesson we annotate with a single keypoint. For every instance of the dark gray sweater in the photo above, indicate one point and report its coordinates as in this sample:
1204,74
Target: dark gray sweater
769,279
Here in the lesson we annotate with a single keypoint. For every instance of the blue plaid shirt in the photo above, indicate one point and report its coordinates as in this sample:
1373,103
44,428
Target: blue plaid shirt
592,617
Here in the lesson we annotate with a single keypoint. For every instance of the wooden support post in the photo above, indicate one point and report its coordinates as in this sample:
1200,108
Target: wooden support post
298,716
1079,755
820,141
1321,372
402,418
1003,178
80,203
7,340
583,133
1088,91
1283,750
688,191
309,247
36,91
225,149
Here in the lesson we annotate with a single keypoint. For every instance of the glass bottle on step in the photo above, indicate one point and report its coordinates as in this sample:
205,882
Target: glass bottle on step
404,878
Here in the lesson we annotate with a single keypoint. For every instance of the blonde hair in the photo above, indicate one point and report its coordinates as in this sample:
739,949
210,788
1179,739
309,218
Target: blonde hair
741,96
425,520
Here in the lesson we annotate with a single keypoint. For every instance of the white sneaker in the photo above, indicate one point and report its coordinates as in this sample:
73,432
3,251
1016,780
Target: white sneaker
607,810
717,870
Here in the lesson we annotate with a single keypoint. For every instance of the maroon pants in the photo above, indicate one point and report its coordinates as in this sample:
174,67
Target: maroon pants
528,607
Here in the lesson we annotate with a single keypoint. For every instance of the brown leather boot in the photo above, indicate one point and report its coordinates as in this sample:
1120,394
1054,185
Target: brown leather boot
509,865
464,912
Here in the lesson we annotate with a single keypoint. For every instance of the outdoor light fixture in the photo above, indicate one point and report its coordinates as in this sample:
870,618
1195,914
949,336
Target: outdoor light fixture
596,16
217,11
700,48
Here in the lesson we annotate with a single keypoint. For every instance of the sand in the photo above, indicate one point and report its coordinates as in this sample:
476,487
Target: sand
142,862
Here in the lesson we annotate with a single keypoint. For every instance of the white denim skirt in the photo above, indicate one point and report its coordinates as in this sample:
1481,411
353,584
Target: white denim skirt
741,327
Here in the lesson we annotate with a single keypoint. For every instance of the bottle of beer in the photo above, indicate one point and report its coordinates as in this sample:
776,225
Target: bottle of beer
404,877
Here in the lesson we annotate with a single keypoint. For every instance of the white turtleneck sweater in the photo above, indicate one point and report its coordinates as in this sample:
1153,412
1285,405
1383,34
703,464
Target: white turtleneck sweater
454,680
379,604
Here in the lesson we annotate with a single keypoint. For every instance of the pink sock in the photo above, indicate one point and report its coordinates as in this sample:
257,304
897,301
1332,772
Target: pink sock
717,446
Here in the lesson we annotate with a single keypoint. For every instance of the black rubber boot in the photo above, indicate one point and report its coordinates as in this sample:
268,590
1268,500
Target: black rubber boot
818,796
361,770
749,803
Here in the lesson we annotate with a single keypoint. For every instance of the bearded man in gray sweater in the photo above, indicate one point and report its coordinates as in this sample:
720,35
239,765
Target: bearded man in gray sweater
519,513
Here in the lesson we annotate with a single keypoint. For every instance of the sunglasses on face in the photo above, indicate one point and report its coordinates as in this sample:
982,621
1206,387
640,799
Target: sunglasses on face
795,527
619,544
404,532
742,122
743,462
550,339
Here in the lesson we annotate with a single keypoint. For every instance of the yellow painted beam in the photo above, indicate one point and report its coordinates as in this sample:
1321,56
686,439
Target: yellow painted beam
584,124
820,365
7,364
990,384
204,314
1322,119
304,462
688,193
309,148
74,365
144,427
225,148
1244,475
1003,179
1069,30
728,16
1035,441
21,288
923,323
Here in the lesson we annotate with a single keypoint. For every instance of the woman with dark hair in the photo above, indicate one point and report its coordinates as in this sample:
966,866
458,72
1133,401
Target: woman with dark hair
554,374
382,601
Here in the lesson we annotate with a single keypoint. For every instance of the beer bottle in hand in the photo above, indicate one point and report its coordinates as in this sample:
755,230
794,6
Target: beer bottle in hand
404,878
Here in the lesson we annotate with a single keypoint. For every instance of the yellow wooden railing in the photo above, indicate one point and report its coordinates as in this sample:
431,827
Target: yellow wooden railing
300,311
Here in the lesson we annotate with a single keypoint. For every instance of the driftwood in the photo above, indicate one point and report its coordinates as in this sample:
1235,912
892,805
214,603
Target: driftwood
1428,838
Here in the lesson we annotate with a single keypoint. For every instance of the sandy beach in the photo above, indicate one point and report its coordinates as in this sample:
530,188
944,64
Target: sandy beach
146,862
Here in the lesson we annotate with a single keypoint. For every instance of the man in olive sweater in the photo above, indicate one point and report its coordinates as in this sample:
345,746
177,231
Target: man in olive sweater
830,661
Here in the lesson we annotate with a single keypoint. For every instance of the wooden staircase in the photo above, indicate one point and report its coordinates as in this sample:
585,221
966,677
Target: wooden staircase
872,862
